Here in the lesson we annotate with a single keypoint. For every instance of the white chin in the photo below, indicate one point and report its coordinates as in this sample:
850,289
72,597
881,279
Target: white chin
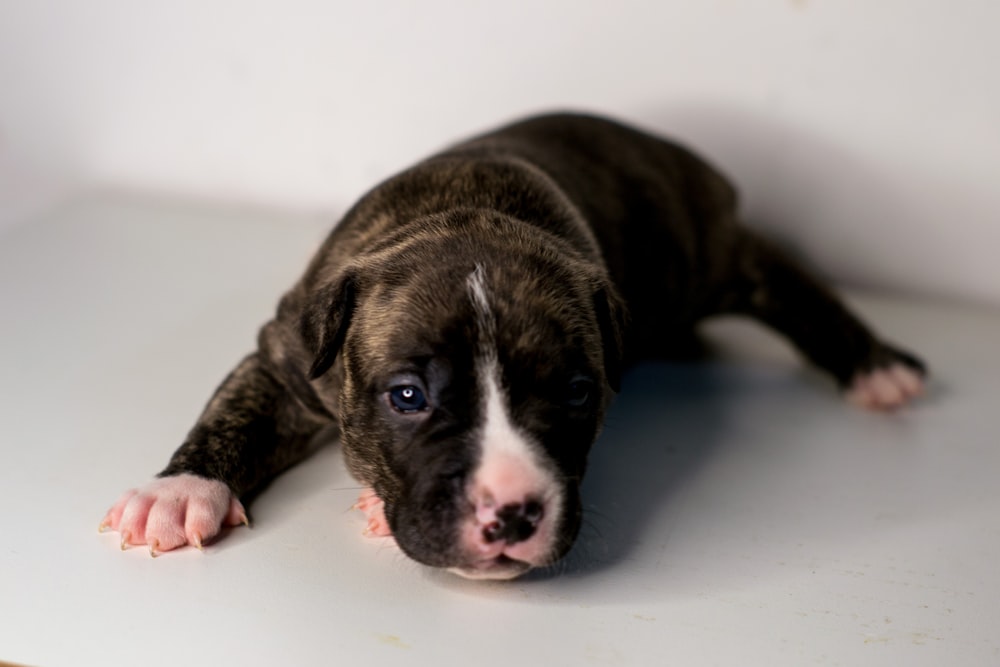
500,569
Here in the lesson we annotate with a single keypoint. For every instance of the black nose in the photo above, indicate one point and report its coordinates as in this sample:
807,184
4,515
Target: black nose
514,523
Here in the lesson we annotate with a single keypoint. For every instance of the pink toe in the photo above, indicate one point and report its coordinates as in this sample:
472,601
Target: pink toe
887,394
114,515
165,524
374,510
908,380
237,515
861,393
205,517
134,516
367,500
377,527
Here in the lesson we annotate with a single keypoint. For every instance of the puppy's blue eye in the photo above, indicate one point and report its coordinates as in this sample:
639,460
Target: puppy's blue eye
578,392
407,399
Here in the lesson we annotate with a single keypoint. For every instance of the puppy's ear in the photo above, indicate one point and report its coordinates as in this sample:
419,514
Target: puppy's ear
611,319
325,319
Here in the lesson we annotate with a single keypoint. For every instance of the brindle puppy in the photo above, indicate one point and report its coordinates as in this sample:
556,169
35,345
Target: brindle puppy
465,326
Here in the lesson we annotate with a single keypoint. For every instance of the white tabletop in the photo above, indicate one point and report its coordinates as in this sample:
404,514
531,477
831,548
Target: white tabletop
738,512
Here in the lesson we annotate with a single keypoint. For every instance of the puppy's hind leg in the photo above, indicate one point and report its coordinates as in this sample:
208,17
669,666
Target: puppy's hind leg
770,287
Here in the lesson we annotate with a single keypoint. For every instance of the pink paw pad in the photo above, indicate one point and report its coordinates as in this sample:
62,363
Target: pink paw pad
174,511
374,510
887,388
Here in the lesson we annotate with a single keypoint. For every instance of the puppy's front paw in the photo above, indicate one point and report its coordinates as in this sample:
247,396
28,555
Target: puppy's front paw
173,511
887,388
374,510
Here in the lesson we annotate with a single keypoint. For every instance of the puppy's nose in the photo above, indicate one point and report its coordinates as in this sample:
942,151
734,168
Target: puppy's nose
514,522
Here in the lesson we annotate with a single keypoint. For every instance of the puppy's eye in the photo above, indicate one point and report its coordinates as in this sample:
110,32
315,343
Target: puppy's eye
578,392
407,399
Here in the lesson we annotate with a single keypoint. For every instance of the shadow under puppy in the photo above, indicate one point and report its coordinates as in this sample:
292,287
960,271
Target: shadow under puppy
465,327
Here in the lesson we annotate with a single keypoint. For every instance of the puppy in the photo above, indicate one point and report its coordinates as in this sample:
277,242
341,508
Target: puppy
465,327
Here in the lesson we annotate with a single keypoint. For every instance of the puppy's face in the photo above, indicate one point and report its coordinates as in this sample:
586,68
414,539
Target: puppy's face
472,387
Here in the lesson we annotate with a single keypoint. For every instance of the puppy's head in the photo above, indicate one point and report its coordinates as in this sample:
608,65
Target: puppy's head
474,363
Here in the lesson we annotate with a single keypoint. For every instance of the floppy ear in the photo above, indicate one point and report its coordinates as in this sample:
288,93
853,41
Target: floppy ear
611,319
324,321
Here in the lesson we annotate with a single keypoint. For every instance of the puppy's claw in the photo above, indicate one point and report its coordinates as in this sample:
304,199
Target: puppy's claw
153,546
105,524
126,536
197,542
245,520
375,528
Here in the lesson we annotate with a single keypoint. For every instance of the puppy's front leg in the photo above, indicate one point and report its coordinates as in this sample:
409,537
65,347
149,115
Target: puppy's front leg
251,429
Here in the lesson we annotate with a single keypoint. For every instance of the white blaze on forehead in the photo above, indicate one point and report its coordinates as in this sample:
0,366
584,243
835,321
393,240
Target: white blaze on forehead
485,322
510,468
497,424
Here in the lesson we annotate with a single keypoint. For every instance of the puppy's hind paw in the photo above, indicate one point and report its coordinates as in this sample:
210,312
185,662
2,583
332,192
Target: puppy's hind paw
886,389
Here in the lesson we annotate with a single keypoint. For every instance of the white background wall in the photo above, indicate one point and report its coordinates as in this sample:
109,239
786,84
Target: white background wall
864,132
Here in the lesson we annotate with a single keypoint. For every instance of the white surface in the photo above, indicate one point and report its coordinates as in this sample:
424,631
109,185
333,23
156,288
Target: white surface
738,511
26,196
864,131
